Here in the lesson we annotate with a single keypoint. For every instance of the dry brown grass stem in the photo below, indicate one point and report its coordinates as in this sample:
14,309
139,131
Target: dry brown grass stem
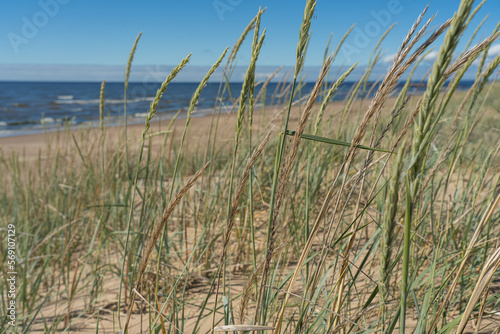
406,46
253,277
376,144
406,126
288,164
154,309
489,270
346,320
157,233
421,49
239,191
352,183
234,208
398,67
486,217
474,51
285,175
242,328
359,177
396,70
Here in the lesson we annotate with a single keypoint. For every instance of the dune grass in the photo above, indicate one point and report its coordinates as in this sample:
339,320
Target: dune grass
379,215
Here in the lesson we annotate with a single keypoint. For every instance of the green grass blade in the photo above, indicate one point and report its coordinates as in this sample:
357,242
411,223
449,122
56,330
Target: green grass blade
335,142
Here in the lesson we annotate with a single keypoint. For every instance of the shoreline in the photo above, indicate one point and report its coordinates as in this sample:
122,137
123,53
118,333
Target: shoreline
80,108
31,144
49,125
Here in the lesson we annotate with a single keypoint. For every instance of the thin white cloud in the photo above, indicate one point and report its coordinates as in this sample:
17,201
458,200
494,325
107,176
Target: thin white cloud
494,50
431,56
389,58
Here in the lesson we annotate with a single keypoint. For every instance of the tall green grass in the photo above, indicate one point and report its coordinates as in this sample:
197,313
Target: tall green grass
379,215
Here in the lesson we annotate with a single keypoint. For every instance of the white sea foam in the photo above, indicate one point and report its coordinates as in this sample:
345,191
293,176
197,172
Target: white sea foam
47,120
65,97
6,133
106,101
206,111
3,124
141,99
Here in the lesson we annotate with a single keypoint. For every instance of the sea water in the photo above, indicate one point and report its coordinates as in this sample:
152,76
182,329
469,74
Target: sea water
34,107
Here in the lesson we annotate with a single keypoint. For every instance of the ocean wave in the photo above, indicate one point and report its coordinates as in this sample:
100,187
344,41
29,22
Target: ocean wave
21,123
3,124
206,111
65,97
46,120
6,133
171,112
106,101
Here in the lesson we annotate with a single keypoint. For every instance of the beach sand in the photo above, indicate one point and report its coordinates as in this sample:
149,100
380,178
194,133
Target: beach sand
38,150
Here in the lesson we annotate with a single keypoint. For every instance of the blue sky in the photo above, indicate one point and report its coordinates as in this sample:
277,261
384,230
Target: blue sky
90,40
